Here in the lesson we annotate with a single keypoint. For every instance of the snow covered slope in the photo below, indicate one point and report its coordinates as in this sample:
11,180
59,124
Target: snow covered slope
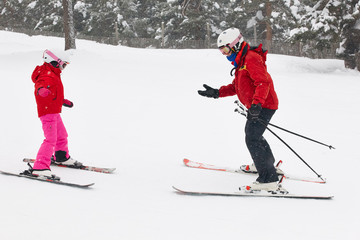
138,110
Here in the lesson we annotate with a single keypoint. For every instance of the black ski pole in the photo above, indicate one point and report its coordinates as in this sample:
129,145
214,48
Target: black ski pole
318,175
296,134
243,112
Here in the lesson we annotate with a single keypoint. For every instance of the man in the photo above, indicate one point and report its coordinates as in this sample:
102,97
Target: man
255,89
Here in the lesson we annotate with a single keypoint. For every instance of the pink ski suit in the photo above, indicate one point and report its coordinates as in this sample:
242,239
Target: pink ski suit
49,109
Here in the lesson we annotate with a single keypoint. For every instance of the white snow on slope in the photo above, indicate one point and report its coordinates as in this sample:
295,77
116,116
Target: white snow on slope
138,110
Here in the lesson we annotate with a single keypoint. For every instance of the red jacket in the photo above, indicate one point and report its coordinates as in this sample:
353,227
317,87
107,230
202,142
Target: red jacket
47,76
252,82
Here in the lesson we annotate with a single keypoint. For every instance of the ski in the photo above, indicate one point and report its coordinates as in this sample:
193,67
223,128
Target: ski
193,164
48,180
245,194
82,167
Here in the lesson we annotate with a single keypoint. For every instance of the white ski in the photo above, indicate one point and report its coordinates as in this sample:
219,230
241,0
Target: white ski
193,164
245,194
49,180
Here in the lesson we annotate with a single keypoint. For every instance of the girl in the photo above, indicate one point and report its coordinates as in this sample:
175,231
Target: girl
49,95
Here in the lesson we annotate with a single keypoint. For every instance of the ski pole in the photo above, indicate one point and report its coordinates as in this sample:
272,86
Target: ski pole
296,134
242,107
318,175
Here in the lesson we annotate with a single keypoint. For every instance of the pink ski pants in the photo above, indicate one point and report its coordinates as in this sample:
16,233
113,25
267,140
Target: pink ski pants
55,140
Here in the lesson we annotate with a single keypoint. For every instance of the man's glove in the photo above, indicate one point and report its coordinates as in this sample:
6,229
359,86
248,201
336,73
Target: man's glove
209,92
68,103
254,112
43,92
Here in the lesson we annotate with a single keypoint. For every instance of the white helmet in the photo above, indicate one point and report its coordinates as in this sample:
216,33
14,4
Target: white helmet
58,59
230,37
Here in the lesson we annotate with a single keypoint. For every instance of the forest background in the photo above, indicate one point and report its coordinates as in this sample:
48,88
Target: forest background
316,29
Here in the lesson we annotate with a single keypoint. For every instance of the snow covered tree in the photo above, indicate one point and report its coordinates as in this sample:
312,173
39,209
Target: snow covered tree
170,15
270,20
330,22
193,24
349,48
12,13
102,17
31,14
81,16
204,20
149,17
45,15
323,22
192,5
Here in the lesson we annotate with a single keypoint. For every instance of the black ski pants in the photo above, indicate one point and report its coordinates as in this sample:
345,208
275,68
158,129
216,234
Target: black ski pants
259,148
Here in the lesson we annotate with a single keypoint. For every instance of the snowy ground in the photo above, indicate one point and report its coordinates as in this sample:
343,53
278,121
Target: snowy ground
138,110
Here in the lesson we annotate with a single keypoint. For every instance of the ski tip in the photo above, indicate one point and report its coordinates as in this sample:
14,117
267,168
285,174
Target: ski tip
186,161
182,192
177,189
103,170
88,185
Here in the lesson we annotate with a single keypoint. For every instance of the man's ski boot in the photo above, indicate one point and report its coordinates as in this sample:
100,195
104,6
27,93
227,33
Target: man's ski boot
252,169
248,168
272,187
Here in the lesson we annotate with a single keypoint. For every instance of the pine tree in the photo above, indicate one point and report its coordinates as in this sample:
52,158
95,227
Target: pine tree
102,17
319,24
45,15
81,16
269,21
12,13
349,48
330,23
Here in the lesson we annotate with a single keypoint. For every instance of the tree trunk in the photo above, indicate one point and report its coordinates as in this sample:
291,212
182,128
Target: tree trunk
69,29
357,60
352,48
268,39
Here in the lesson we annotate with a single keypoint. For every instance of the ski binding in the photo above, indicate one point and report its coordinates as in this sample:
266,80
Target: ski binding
77,166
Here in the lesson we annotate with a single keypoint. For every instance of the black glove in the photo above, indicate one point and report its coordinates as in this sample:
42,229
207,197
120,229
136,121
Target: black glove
68,103
209,92
254,112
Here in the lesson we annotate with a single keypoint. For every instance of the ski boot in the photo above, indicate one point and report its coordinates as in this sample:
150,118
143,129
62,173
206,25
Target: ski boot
252,169
271,187
40,173
60,159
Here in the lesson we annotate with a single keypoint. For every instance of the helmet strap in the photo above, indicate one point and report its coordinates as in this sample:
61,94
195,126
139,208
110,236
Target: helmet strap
231,45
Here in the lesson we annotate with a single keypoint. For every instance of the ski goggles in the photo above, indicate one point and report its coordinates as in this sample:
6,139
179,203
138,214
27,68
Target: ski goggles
64,65
227,49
